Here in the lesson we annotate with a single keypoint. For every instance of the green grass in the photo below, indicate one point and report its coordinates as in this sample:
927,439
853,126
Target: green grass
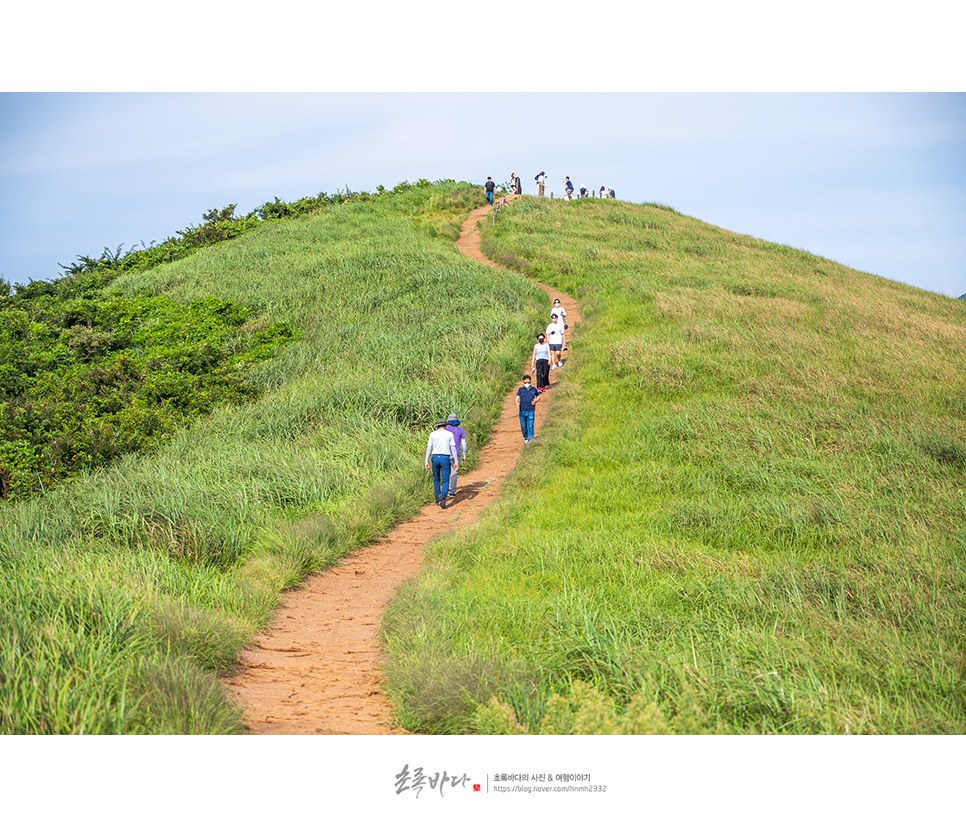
746,512
129,590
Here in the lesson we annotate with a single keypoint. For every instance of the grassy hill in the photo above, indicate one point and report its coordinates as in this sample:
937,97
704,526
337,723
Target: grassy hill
746,512
127,590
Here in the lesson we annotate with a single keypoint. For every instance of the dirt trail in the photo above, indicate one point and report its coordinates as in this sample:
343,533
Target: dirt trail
317,669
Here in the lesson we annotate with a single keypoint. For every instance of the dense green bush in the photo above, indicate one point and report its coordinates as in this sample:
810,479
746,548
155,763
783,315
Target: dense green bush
85,380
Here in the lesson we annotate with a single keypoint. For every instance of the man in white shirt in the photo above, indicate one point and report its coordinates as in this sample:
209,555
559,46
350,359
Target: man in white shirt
441,451
555,337
561,318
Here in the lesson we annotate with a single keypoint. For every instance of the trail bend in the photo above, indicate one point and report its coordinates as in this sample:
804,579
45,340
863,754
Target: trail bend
317,669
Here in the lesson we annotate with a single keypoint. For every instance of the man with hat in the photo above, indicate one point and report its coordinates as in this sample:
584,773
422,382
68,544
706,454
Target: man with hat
555,338
459,438
441,450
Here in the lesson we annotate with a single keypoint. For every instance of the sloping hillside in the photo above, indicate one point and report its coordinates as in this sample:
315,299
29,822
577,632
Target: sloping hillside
749,516
127,590
745,512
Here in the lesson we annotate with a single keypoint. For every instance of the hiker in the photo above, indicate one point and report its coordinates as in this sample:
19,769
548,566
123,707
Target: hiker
583,191
611,193
441,450
541,182
603,195
527,397
555,339
490,185
561,318
540,363
517,188
459,438
568,187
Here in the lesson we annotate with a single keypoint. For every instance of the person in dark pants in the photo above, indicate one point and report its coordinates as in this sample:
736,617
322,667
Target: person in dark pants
527,397
441,451
540,363
490,185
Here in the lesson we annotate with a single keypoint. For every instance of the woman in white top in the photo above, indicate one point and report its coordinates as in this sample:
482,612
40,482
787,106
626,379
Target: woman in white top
560,312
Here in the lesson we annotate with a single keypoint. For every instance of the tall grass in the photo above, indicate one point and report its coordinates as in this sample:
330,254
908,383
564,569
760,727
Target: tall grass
745,513
129,590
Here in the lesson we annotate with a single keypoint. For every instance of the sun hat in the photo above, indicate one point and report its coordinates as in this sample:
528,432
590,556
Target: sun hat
440,423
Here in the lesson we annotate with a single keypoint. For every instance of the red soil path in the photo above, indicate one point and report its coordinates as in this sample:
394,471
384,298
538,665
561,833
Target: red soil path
317,669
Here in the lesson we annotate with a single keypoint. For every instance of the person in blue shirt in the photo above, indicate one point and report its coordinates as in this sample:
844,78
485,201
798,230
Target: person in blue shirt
527,397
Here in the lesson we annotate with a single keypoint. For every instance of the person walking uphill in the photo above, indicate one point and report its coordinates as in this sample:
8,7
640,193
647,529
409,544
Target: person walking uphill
459,438
561,318
540,363
527,398
441,450
490,185
555,339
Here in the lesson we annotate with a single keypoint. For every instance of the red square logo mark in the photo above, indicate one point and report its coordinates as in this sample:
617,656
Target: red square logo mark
476,787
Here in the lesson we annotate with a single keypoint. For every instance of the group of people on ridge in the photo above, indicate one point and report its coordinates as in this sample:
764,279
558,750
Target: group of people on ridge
447,442
541,180
585,192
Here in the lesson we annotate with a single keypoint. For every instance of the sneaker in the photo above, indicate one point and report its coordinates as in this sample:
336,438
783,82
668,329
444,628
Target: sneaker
452,495
442,503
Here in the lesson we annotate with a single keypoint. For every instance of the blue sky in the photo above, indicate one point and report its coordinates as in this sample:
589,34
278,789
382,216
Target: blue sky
876,181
